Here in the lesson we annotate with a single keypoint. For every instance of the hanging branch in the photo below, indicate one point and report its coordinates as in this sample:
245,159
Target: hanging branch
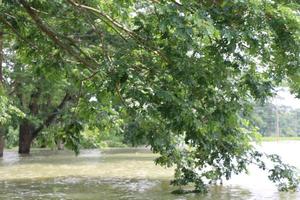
87,61
116,25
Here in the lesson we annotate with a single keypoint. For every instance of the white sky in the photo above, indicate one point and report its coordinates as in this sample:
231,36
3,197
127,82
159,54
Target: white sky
285,98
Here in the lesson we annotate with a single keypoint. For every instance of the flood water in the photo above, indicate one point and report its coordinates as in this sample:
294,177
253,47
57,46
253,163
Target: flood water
124,174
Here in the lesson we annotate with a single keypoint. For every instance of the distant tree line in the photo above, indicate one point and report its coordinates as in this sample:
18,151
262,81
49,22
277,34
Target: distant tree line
275,120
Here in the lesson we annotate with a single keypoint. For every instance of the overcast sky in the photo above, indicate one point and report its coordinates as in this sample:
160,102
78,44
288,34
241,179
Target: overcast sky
285,98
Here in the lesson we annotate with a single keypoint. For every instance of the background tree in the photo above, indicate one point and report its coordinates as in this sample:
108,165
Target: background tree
264,117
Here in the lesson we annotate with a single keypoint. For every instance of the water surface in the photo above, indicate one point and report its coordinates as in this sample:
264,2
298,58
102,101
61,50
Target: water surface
123,174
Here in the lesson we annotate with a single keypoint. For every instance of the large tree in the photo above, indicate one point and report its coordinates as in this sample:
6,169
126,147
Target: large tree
42,82
182,74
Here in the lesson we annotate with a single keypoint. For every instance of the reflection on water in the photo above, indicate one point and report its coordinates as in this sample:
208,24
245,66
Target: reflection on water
122,174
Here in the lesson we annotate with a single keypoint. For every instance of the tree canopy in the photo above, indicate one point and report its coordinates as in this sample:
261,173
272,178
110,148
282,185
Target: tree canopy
179,76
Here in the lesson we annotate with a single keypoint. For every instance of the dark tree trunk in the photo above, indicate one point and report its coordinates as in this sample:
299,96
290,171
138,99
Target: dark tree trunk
1,144
1,85
1,58
25,137
27,129
28,132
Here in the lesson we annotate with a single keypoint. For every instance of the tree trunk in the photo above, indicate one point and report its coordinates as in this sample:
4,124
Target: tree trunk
27,129
25,137
1,87
1,143
1,58
60,145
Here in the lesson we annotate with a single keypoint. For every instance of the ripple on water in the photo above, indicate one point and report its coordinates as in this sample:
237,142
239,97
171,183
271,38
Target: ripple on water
120,174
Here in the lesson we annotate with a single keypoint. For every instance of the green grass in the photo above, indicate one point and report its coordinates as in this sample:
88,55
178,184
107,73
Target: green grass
275,138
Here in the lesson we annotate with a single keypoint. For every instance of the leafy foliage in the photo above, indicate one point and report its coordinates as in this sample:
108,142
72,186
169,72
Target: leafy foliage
8,111
283,174
178,76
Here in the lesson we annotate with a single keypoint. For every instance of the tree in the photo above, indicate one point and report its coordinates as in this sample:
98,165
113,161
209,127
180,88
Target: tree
264,117
38,92
44,87
1,80
181,75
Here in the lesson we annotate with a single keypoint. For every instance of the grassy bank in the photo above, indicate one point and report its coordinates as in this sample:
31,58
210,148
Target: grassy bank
274,138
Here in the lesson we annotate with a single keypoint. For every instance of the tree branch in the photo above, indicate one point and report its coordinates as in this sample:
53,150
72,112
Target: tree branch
51,117
114,24
87,61
16,32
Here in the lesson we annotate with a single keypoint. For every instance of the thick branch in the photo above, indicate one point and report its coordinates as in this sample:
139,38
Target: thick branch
116,25
33,104
90,63
51,117
106,17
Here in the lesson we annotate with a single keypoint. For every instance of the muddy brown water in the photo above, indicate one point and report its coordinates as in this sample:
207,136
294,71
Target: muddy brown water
124,174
